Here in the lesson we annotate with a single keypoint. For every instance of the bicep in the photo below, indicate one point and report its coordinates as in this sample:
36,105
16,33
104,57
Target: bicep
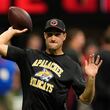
14,53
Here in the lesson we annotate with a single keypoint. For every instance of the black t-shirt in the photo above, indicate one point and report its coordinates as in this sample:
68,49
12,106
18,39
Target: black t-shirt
46,78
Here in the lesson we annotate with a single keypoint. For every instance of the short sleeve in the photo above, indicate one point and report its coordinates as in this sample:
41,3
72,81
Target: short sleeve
78,82
15,54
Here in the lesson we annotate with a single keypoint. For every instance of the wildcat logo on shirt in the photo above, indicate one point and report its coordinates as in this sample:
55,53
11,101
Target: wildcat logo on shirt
48,65
45,75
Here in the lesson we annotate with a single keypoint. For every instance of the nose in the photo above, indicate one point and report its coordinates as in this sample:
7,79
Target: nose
53,37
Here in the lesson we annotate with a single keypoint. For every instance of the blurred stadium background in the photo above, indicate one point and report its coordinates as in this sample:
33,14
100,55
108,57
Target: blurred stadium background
90,16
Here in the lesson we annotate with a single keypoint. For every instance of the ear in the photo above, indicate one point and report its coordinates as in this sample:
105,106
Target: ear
44,35
65,34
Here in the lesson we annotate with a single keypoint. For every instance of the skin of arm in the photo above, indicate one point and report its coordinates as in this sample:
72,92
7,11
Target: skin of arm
91,69
5,37
87,96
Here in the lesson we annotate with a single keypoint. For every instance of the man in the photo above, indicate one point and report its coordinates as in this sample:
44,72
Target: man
34,41
102,97
46,76
76,41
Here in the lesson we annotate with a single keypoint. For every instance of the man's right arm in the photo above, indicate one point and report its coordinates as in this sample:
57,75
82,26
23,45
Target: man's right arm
3,49
5,37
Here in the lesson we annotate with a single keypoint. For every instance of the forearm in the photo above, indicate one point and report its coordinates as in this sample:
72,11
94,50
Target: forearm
6,36
89,92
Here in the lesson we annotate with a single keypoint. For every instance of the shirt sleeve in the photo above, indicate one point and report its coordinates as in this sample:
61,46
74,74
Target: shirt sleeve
15,54
78,82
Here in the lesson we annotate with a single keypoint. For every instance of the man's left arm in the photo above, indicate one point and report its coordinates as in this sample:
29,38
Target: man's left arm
91,69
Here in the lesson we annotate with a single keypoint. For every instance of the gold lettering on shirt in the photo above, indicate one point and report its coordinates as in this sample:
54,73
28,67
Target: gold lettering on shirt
49,65
37,83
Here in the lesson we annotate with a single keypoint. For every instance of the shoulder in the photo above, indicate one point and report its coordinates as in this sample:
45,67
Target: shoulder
73,55
71,63
33,52
70,60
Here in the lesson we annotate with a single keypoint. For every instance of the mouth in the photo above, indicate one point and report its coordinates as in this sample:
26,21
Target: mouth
52,43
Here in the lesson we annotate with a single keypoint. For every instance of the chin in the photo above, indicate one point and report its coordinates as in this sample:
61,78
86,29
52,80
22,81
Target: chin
53,49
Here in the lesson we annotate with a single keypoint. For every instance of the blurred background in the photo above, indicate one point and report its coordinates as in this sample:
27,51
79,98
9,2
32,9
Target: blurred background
88,28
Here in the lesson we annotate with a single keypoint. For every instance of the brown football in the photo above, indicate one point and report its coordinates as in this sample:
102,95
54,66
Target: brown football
19,18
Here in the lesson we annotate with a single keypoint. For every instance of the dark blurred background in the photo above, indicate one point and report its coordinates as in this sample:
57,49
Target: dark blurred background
88,27
90,15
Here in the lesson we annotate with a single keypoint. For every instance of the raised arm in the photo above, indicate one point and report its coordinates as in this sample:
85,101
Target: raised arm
5,37
91,69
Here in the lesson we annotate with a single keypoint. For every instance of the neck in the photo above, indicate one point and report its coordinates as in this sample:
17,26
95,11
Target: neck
54,52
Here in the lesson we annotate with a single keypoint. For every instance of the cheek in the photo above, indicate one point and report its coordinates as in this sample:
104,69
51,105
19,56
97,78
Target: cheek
60,42
62,39
47,41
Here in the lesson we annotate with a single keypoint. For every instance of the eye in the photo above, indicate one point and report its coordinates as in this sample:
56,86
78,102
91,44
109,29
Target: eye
49,34
57,34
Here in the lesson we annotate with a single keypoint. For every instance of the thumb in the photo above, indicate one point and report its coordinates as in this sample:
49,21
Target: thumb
22,31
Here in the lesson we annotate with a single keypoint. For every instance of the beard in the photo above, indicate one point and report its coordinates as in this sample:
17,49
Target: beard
53,50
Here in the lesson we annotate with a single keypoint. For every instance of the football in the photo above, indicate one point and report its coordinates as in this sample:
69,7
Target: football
19,18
